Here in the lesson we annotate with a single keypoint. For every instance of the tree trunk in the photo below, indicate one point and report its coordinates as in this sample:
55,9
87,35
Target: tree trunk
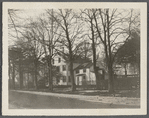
110,62
97,78
21,79
50,76
50,54
73,85
125,66
94,57
20,74
110,82
95,67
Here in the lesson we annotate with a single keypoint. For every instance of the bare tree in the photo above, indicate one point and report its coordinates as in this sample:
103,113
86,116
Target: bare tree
12,19
113,27
88,17
48,37
71,32
29,40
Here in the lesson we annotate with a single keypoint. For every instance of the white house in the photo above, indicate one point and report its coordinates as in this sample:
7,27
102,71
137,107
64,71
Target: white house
83,72
63,68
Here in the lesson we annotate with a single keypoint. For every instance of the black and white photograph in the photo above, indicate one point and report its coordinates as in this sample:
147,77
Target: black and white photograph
74,58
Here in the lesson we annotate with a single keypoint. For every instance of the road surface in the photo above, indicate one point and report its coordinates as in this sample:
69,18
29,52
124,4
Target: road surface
19,100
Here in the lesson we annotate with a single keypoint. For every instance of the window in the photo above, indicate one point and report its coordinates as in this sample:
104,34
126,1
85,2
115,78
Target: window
58,68
77,71
84,70
59,60
64,78
64,67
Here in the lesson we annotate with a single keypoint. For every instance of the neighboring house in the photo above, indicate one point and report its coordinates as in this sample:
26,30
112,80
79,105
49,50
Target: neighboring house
131,69
83,72
84,75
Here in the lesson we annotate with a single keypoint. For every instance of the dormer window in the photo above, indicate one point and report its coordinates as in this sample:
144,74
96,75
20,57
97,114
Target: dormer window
84,70
59,60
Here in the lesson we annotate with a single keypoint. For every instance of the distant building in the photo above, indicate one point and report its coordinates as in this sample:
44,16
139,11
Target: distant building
131,69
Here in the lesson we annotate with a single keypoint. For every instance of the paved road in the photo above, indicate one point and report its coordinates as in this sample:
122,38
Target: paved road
19,100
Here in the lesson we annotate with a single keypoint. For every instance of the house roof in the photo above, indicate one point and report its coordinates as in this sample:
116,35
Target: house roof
84,65
80,74
75,59
92,69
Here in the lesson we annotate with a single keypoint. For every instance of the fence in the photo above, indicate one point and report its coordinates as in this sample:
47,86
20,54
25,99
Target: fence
120,82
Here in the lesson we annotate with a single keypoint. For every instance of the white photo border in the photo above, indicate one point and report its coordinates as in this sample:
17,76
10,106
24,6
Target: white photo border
75,112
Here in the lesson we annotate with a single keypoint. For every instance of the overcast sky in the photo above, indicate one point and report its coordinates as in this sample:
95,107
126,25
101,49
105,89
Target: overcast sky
34,13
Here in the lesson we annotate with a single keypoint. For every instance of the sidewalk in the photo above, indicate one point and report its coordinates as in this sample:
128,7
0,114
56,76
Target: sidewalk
96,98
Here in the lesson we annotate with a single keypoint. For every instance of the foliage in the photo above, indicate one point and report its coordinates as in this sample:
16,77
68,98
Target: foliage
130,50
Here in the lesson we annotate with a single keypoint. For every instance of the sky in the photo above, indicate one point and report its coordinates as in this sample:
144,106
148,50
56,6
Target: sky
31,13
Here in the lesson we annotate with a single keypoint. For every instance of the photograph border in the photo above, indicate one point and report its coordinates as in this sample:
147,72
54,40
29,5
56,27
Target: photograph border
34,5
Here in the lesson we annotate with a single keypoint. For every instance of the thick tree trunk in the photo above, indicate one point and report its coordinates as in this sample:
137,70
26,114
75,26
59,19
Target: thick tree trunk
20,75
95,67
73,85
50,76
125,66
97,78
50,54
110,62
94,57
110,82
110,72
21,79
